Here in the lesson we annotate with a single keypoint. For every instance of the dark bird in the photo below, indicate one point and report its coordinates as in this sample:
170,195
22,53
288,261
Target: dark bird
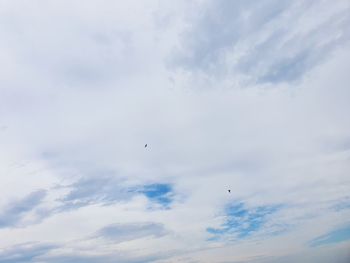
145,145
229,191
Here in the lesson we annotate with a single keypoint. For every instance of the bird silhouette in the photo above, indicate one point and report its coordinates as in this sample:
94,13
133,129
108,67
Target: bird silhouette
145,145
229,191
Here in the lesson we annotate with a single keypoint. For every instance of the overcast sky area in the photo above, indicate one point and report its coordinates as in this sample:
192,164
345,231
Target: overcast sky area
240,95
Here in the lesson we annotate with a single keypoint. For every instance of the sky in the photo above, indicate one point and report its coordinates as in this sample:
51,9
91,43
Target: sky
240,95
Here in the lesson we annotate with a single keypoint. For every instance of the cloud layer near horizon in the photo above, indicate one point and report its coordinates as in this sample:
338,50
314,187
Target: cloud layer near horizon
251,97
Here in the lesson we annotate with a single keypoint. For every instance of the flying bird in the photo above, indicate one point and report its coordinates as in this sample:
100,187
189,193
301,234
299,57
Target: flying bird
229,190
145,145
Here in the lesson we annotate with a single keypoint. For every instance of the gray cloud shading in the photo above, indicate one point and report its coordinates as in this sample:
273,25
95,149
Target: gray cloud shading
284,59
334,254
15,211
281,55
98,259
25,253
126,232
36,252
222,25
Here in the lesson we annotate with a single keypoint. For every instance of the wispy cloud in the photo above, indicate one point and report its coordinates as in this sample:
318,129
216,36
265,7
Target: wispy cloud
333,237
25,253
37,252
268,42
111,258
14,212
108,190
104,190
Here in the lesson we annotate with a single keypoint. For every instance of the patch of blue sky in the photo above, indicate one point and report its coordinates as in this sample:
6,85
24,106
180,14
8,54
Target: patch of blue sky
336,236
161,194
241,221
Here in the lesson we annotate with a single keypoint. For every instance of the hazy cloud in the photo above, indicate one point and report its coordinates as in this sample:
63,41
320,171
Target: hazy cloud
127,232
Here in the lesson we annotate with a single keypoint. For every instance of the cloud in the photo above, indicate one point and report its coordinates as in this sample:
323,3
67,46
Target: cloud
242,95
266,42
108,48
14,213
126,232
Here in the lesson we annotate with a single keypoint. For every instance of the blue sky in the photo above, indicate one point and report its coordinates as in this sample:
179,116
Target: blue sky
241,222
251,96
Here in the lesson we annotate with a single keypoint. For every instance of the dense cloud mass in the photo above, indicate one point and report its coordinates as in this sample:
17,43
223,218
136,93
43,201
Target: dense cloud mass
247,96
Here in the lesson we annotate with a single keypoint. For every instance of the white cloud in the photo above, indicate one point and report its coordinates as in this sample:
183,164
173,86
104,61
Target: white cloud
83,86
